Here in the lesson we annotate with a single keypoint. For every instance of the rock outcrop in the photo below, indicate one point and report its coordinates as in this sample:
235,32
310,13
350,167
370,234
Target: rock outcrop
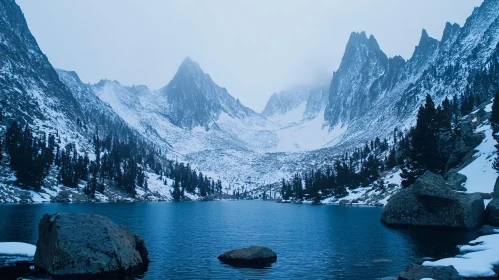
492,213
253,256
431,202
417,272
76,245
488,230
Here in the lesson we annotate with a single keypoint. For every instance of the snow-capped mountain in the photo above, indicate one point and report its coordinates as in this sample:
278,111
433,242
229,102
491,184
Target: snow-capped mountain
372,94
193,99
285,101
29,85
196,120
297,103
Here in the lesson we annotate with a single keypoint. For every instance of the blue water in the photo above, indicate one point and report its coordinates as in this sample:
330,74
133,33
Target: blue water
312,242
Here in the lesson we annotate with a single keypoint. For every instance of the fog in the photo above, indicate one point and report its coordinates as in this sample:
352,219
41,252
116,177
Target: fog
253,48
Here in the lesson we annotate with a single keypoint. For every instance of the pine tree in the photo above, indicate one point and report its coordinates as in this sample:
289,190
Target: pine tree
494,117
424,144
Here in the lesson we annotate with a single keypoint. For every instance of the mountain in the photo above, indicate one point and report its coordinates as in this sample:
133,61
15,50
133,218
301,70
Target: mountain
30,87
362,64
195,120
372,94
193,99
285,101
297,103
62,124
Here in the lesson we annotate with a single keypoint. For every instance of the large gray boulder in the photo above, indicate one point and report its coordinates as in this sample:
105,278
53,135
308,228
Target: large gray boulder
75,245
492,213
253,256
431,202
418,272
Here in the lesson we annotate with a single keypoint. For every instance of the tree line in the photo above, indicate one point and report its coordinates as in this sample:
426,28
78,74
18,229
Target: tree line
414,151
119,161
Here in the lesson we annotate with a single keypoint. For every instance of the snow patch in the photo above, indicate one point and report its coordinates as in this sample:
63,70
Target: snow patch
17,249
480,257
480,173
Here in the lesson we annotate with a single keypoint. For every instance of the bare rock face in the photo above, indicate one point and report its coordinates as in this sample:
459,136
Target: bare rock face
253,256
76,245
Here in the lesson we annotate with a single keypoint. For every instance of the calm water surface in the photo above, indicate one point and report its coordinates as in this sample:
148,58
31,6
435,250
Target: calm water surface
312,242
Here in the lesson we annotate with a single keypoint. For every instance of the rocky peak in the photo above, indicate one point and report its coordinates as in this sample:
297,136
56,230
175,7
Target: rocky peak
426,46
285,101
423,53
360,48
190,68
451,32
192,98
363,63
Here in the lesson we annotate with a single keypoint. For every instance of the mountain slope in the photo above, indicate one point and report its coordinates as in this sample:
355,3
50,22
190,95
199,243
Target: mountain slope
30,86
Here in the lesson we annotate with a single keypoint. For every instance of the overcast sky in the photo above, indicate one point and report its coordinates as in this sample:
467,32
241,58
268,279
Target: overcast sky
253,48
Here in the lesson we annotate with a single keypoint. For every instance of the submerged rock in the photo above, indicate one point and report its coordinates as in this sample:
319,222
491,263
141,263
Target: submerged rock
253,256
417,272
75,245
431,202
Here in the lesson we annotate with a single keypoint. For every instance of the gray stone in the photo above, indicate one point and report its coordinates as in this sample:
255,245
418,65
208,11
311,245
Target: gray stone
63,196
492,213
488,230
75,245
487,195
253,256
417,272
456,180
344,202
430,202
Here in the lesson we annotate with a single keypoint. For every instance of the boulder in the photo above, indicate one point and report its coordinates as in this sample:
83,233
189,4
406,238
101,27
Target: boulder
63,196
81,245
344,202
417,272
253,256
488,230
492,213
456,180
430,202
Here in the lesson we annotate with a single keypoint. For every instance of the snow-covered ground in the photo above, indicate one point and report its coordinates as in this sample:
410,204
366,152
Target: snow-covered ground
480,173
478,259
17,249
372,195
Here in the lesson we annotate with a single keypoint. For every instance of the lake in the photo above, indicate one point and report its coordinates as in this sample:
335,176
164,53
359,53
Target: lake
312,242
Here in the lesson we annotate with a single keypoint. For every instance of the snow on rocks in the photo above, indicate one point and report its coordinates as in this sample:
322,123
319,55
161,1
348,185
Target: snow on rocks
478,259
17,249
480,173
